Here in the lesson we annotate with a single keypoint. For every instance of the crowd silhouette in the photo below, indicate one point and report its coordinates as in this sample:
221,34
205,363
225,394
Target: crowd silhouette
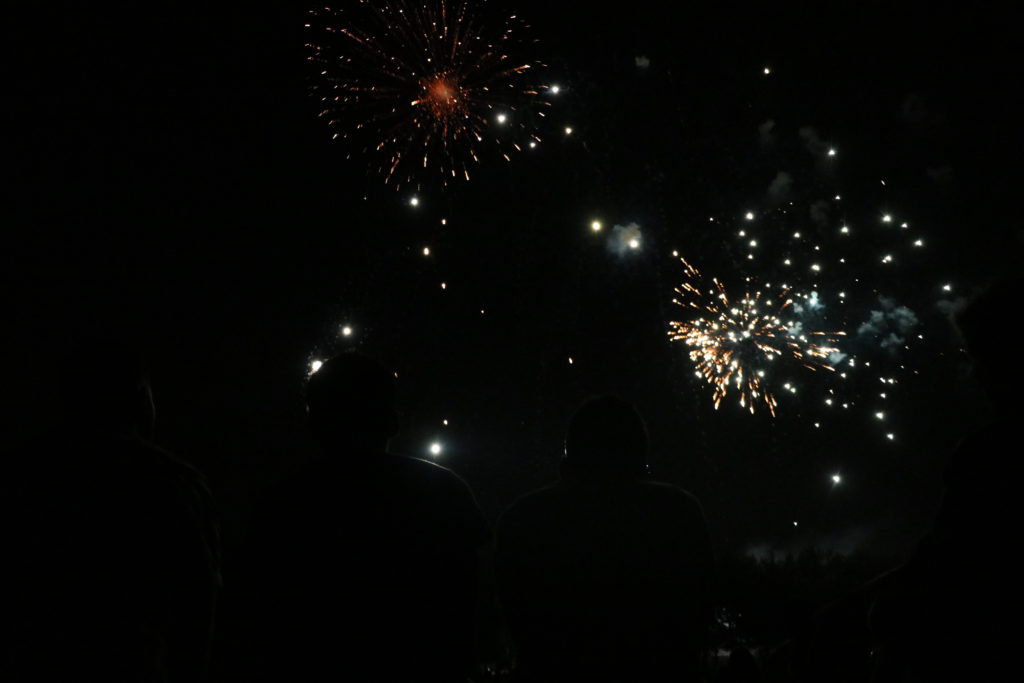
367,565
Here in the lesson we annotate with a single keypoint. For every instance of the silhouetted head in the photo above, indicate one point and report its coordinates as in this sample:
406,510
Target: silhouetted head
351,403
607,438
104,388
987,325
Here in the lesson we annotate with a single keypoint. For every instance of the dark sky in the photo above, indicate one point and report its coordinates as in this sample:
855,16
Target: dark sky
171,184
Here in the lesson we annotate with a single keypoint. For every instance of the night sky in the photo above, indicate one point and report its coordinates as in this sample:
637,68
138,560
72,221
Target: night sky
172,184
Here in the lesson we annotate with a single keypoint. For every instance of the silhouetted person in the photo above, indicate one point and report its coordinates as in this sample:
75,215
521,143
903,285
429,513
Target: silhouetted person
604,575
364,564
950,613
111,556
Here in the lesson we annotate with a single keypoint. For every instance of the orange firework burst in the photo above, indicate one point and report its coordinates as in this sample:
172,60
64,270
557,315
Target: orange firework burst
422,86
734,344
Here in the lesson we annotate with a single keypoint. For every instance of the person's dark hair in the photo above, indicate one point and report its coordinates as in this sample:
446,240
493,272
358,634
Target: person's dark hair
982,324
606,438
104,386
351,399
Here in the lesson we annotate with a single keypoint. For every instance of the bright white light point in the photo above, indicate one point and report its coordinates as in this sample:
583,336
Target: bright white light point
880,416
767,71
887,258
845,230
675,253
555,89
444,422
836,479
426,251
444,285
570,360
346,331
533,145
444,221
795,524
838,198
890,436
435,448
832,152
568,130
887,218
595,226
501,118
904,225
842,295
786,262
796,235
634,243
817,425
749,216
815,267
415,201
918,243
316,365
828,401
753,243
947,288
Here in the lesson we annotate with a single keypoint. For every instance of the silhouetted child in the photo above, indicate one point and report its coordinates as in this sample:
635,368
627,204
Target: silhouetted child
111,553
604,576
364,565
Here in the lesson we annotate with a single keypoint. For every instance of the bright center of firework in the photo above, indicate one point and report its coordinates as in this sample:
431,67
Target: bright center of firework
442,91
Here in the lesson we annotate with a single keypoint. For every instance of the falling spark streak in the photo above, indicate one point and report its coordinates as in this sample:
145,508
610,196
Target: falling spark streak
729,342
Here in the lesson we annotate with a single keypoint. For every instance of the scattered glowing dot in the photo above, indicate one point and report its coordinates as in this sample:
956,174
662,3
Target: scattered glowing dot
501,118
634,243
845,230
444,285
316,365
904,225
918,243
595,226
838,198
346,331
533,145
796,235
753,243
767,71
568,130
842,295
887,258
832,152
796,523
947,288
890,436
555,89
676,254
435,448
570,360
816,267
836,479
749,216
444,221
415,201
426,251
817,425
880,416
887,218
444,422
787,262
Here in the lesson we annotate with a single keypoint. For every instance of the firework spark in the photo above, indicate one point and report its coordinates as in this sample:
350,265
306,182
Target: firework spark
424,85
732,343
